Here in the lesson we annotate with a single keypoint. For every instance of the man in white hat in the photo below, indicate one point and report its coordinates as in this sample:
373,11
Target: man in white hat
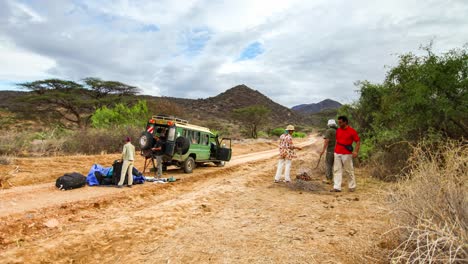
287,153
329,140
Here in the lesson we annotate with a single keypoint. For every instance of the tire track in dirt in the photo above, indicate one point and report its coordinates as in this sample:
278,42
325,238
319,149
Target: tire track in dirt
20,220
35,197
235,216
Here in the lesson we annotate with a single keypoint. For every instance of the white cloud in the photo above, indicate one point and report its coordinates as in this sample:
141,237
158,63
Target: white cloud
311,50
22,65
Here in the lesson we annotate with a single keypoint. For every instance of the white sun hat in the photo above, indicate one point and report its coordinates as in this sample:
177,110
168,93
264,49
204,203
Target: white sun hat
331,122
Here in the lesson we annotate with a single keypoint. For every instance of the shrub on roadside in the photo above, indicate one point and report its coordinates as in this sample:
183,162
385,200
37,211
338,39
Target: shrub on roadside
95,141
431,207
299,135
277,131
121,115
14,143
6,160
262,134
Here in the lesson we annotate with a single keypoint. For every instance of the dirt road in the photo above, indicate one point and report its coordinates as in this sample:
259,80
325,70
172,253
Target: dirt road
234,214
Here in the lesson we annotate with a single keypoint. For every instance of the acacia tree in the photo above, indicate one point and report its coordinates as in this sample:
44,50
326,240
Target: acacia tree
56,99
72,104
252,118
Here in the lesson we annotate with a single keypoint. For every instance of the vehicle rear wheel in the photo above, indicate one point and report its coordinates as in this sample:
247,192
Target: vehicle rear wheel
189,165
146,141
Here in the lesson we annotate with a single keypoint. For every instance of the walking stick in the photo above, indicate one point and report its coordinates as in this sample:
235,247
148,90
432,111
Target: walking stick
319,160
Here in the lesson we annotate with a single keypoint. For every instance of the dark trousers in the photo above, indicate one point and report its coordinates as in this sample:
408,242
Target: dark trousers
329,160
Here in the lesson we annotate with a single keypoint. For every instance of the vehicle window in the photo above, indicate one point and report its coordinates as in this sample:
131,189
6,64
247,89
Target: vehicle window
195,137
171,134
205,139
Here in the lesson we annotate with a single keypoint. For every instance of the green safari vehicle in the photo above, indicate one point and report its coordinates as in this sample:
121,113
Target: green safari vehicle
184,145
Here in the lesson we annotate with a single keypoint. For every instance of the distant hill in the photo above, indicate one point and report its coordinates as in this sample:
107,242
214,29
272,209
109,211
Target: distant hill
7,98
318,107
222,105
218,107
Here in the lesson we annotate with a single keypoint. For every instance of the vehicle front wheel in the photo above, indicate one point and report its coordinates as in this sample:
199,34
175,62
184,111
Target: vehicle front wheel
189,165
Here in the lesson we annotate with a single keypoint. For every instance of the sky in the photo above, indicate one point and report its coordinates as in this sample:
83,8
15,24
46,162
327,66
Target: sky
294,52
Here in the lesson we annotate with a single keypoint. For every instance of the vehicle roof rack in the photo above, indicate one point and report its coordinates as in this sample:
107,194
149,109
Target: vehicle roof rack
170,118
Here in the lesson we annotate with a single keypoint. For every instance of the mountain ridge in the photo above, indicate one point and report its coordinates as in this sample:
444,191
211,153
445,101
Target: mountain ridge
317,107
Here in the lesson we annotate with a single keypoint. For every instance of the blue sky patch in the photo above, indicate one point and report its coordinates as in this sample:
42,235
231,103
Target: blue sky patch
9,85
150,28
251,51
195,40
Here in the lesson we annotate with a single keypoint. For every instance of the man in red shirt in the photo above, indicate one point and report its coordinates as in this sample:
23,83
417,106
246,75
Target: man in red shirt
344,154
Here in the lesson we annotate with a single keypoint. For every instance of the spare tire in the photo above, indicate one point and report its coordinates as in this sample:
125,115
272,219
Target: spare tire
182,145
146,141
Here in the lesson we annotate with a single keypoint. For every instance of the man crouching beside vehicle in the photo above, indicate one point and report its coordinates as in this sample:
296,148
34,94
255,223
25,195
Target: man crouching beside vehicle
344,154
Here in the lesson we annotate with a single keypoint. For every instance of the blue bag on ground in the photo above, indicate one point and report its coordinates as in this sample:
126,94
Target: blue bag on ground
138,179
91,179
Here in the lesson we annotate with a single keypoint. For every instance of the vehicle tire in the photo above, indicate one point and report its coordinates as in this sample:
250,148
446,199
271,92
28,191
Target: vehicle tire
182,145
220,163
146,141
189,165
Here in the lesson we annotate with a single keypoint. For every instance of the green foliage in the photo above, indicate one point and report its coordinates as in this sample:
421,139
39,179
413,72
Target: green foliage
298,135
252,118
278,131
422,97
121,115
262,134
69,103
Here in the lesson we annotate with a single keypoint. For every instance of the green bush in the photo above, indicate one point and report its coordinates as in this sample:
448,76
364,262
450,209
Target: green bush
277,131
423,97
262,134
298,135
121,115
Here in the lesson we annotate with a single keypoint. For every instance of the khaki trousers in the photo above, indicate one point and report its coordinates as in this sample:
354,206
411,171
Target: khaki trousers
127,168
343,162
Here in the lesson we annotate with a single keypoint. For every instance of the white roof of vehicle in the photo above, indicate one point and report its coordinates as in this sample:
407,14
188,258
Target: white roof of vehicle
194,127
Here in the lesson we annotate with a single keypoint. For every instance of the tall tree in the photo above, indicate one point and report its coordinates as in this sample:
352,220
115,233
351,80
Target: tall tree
252,118
70,103
61,100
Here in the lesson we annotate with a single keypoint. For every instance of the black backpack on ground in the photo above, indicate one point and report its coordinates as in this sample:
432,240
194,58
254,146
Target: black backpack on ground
117,171
70,181
107,181
99,176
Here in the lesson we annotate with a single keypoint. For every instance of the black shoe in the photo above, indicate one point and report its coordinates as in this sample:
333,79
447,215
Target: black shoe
119,186
129,186
335,190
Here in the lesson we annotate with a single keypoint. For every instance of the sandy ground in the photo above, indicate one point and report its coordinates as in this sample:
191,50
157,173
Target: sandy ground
234,214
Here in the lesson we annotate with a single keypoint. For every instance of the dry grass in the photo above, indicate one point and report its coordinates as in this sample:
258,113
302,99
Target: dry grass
431,207
391,162
6,160
5,178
